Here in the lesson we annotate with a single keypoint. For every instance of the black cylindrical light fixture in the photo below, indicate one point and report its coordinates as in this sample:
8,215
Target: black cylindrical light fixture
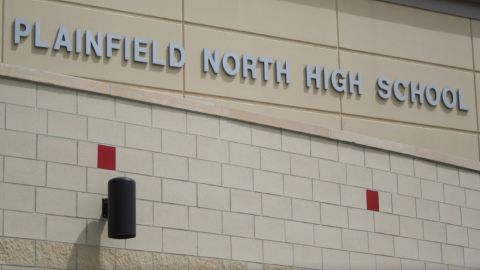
121,208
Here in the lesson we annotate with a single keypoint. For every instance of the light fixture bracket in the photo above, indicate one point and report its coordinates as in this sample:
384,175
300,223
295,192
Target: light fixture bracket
104,208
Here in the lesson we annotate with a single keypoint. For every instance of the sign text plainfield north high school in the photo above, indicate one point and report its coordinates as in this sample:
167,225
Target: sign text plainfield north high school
317,77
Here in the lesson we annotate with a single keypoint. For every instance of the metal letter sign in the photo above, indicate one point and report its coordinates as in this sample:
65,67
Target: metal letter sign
146,51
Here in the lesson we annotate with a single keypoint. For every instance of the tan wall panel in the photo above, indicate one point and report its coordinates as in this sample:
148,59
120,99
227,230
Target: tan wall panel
400,31
328,120
448,142
297,54
476,43
307,20
171,9
371,67
51,15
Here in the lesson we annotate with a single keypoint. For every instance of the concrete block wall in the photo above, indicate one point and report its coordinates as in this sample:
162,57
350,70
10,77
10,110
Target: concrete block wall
214,193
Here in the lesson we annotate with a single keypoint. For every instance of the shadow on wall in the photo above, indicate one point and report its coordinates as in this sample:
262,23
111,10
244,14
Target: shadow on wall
81,255
90,255
402,14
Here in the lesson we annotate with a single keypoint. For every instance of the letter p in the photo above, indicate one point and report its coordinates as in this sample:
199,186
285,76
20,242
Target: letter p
21,28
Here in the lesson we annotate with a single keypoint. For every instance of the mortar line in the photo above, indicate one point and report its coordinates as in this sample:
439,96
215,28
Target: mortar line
474,83
5,111
3,32
340,97
183,43
3,168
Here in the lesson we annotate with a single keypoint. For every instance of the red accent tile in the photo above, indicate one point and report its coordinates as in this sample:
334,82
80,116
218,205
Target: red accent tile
372,200
106,157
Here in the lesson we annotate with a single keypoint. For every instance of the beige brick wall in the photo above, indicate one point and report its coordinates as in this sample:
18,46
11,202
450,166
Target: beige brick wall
217,193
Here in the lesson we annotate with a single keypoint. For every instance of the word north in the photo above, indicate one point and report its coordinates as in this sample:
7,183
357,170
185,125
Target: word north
135,48
247,66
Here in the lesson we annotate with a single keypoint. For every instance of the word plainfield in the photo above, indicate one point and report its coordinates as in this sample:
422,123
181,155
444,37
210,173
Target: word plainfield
135,48
248,66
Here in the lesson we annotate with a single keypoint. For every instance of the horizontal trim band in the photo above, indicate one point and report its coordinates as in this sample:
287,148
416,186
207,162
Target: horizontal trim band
213,108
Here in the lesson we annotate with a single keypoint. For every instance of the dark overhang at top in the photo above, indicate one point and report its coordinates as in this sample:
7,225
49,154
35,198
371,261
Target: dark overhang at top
463,8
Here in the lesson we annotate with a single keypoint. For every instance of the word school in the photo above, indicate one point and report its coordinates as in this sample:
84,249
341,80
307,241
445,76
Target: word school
146,51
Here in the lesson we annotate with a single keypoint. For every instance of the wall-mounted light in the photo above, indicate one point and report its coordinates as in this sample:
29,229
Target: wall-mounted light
119,208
